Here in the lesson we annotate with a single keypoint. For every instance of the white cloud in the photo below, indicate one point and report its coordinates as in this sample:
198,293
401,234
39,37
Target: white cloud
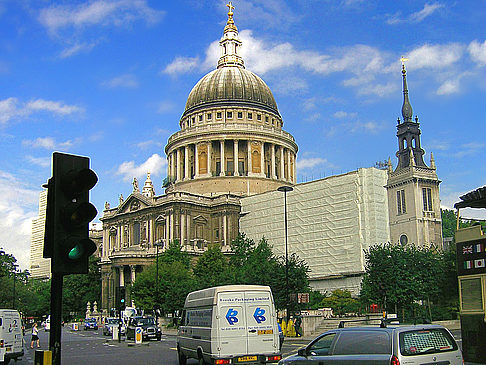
309,163
165,107
76,48
19,204
154,164
11,108
40,161
47,143
367,126
417,17
477,51
342,114
181,65
435,56
124,81
468,149
103,12
428,10
55,107
448,87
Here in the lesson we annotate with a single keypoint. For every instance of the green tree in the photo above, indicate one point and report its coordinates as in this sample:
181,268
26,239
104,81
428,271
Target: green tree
341,302
79,289
212,268
175,281
397,277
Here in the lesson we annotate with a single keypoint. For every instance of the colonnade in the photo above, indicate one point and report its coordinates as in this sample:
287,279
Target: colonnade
240,158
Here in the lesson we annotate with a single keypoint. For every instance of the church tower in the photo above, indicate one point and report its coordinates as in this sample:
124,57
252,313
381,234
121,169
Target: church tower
413,187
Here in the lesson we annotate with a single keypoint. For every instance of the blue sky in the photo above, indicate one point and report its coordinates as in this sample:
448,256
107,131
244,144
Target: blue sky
109,80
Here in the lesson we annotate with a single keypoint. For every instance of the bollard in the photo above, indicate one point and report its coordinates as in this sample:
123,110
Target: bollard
43,357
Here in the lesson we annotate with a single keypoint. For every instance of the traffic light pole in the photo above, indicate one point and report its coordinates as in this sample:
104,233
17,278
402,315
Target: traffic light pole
56,314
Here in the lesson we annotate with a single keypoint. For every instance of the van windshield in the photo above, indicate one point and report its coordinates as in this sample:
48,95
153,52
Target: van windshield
144,321
426,341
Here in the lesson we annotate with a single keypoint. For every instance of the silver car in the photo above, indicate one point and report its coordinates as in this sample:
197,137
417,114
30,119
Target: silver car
392,345
111,324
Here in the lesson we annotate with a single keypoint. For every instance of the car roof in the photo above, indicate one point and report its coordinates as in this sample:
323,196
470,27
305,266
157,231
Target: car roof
389,328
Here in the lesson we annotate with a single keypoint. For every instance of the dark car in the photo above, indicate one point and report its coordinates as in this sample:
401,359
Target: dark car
392,345
150,331
90,324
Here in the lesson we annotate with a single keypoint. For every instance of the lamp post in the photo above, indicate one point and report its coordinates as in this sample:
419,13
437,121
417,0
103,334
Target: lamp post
286,189
14,278
157,244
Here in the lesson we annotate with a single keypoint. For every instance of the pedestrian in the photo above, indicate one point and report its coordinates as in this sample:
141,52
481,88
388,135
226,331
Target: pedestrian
35,336
298,325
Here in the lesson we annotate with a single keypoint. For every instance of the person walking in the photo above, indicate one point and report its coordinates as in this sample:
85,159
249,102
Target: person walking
35,336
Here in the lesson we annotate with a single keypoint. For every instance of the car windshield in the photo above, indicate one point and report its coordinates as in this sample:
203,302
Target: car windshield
90,320
426,341
113,321
144,321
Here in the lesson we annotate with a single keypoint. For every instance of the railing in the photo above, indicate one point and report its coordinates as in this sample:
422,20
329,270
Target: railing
240,127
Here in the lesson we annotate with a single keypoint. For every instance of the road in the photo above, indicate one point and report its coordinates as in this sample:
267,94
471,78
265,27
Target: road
92,348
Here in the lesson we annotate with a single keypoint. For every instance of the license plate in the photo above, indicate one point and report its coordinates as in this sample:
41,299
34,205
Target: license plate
265,332
247,358
9,348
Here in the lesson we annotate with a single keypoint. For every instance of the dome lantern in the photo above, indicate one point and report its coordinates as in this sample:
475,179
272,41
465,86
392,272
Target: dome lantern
230,43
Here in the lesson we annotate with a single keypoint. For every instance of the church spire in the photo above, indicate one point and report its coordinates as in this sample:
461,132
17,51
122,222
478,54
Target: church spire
407,111
408,132
230,43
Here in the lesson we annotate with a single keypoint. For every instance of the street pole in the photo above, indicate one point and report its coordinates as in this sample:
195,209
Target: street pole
56,314
14,278
285,189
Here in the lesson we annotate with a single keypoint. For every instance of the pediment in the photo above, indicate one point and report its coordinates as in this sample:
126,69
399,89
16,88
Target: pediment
134,202
200,220
160,219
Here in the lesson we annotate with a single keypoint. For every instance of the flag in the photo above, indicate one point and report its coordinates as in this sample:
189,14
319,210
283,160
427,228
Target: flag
468,265
467,249
479,263
478,247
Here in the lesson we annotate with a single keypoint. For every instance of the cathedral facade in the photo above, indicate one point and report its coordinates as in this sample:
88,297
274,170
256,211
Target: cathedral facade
225,164
231,144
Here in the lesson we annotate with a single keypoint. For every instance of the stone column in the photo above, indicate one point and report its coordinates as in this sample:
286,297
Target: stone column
223,167
209,158
172,216
288,166
179,166
122,275
282,163
250,165
173,164
133,269
183,228
166,229
196,160
188,229
235,157
186,163
262,160
272,169
225,229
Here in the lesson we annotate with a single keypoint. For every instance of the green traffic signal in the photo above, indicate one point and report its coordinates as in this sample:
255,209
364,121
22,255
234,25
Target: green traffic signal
68,214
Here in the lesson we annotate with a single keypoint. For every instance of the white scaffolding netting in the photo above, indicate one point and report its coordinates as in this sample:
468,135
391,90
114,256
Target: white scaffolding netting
330,221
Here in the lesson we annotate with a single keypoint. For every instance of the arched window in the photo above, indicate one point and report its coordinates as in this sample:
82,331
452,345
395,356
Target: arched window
256,162
203,163
403,240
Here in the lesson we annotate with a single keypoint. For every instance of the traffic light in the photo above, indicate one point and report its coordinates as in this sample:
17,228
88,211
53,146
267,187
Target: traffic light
120,297
66,238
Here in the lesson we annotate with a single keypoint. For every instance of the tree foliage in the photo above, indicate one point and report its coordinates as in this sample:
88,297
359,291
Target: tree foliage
399,277
341,302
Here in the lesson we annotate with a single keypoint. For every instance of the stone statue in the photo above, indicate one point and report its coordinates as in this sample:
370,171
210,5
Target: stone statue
107,205
121,200
135,184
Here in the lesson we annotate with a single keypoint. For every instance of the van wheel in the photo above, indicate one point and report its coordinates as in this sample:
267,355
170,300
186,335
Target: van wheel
182,357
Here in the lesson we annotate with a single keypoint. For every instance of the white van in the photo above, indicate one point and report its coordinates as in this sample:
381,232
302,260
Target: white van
11,339
47,323
229,324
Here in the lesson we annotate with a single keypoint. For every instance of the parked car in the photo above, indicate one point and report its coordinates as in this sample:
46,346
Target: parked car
111,323
150,330
390,345
90,323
